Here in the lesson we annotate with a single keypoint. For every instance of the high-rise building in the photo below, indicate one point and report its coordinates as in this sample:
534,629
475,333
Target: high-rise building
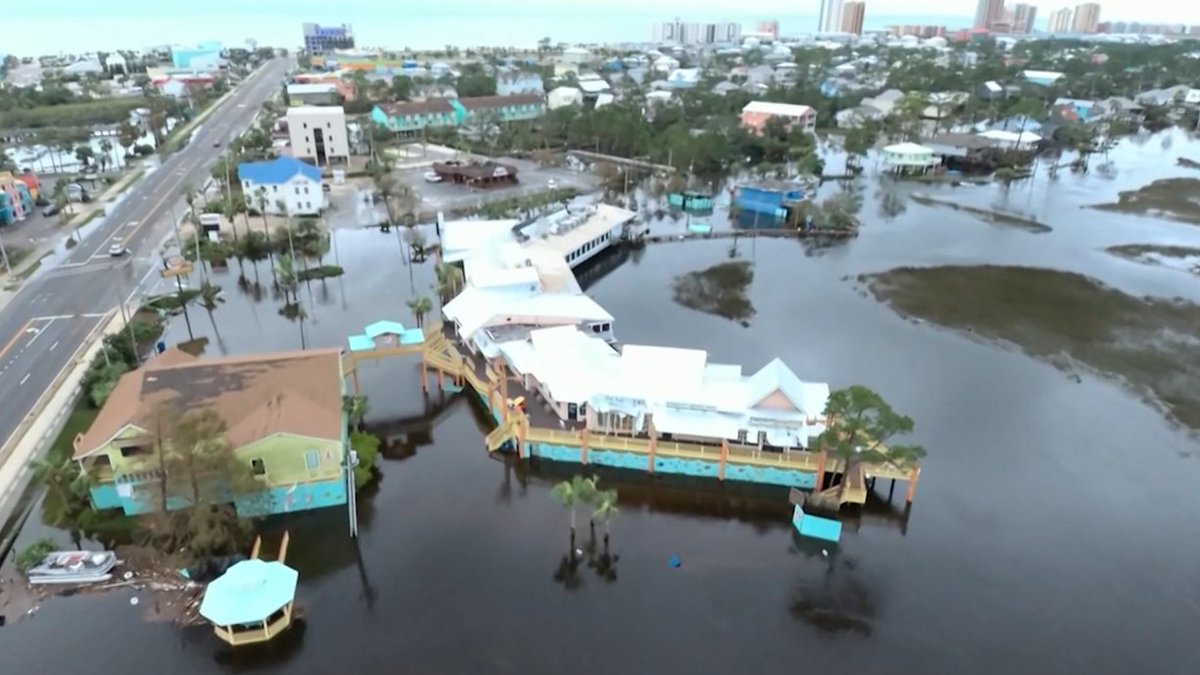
697,33
1086,18
1060,21
988,13
830,18
852,17
1023,16
319,39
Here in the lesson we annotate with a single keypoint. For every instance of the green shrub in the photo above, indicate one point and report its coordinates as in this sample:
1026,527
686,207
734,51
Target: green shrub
367,447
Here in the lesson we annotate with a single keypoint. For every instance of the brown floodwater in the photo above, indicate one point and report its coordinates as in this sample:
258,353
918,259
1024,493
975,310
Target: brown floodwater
1053,531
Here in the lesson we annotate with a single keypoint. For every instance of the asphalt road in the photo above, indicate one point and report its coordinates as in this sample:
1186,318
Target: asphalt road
49,319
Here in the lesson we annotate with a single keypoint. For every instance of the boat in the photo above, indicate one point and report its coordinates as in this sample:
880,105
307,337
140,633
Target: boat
73,567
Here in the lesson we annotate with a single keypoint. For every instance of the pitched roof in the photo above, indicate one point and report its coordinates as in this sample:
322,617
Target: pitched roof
808,398
277,171
773,108
485,102
256,395
430,105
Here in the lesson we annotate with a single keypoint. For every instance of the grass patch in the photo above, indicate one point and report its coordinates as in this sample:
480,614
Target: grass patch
172,301
127,181
322,272
1184,258
77,423
720,290
1148,342
1174,198
68,115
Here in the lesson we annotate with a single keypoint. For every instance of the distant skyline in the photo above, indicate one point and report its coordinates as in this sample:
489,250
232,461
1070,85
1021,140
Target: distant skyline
53,26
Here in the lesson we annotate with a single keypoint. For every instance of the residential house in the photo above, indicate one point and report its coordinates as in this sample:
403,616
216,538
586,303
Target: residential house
592,85
437,112
857,116
884,101
17,199
576,56
1041,78
1079,110
318,134
1014,123
960,150
322,93
439,69
85,67
724,87
561,97
684,78
991,91
1164,97
289,186
756,114
424,92
519,82
283,421
909,158
1122,107
665,65
1023,141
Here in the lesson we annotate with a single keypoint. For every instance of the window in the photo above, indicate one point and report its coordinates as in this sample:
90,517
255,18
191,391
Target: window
312,460
306,125
136,450
305,190
257,467
606,327
596,328
308,205
274,188
329,125
741,436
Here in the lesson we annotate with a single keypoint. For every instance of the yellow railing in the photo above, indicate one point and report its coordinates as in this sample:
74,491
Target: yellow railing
248,636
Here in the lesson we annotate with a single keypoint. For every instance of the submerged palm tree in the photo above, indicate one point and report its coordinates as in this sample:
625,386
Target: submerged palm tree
285,275
356,408
449,279
571,494
606,511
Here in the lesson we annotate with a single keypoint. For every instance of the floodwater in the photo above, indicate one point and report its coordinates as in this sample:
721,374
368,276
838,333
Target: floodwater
1053,530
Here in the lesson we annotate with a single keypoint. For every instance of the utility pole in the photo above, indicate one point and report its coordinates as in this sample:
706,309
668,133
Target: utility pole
126,317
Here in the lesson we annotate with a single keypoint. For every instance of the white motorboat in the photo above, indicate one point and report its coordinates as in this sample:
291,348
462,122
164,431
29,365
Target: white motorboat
73,567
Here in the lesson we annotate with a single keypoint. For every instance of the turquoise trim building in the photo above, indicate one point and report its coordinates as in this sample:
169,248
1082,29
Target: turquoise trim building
437,113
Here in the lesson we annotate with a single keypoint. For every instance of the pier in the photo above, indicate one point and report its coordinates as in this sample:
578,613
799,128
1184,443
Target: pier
531,431
769,233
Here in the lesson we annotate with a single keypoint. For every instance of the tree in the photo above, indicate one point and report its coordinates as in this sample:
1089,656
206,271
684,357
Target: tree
449,280
200,472
85,154
909,110
401,88
859,141
571,494
417,246
106,148
420,307
859,424
1026,108
286,277
606,511
356,408
260,196
69,484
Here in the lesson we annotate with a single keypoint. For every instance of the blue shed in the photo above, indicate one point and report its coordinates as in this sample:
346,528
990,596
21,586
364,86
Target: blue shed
769,197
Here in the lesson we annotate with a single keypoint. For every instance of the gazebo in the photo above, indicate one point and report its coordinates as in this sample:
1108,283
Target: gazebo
251,602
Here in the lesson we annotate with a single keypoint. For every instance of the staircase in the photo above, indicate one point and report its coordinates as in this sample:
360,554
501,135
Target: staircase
506,432
855,491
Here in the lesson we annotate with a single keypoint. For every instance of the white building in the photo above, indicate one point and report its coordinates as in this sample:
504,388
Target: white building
282,187
665,390
561,97
518,275
691,32
907,158
318,133
576,55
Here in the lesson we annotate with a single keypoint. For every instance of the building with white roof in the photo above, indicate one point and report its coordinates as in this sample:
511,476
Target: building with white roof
665,390
518,274
756,114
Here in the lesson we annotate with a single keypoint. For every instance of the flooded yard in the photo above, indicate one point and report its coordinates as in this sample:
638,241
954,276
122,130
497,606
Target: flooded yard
1054,512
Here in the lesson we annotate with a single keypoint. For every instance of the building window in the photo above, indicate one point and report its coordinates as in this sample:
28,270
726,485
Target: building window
297,189
741,436
312,460
306,125
596,328
274,188
308,205
329,125
305,190
257,467
606,327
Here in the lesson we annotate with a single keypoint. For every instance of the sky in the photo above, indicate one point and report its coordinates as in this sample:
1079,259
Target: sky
1141,10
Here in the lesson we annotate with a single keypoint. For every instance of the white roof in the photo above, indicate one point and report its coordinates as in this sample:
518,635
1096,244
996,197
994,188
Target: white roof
593,86
1012,136
908,149
781,109
460,237
1041,75
477,308
566,231
312,88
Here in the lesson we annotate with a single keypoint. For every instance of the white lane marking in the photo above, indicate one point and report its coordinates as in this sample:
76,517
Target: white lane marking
23,379
53,346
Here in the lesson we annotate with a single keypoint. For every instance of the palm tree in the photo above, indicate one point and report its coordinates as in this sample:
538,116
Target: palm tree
65,479
570,494
260,197
285,276
606,511
449,279
106,147
420,307
356,408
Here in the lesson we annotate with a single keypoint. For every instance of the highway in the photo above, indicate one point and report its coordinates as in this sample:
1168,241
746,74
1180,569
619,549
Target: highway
49,319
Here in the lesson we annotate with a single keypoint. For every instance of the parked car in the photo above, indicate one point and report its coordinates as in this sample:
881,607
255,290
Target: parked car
216,144
550,184
432,177
51,210
117,249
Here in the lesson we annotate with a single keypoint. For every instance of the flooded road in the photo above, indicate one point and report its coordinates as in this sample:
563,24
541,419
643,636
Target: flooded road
1053,529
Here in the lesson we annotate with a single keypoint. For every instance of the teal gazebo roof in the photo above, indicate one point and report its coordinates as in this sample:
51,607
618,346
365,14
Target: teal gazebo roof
404,336
249,593
383,328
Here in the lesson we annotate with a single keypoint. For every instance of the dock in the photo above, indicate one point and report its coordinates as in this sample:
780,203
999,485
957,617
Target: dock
525,427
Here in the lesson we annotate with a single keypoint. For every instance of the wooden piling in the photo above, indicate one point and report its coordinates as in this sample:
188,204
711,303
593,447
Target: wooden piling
424,375
583,448
724,456
819,484
912,484
354,380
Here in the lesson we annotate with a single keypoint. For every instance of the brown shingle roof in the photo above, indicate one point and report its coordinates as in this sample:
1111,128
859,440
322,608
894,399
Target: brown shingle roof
257,395
440,105
486,102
